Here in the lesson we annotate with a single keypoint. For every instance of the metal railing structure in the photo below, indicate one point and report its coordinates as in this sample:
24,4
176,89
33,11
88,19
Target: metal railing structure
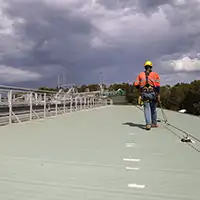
23,104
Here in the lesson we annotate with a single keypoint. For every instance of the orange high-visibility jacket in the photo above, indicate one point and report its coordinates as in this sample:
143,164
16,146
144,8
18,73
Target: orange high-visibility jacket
153,80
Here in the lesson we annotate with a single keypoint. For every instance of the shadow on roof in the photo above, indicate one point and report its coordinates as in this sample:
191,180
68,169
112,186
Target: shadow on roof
141,126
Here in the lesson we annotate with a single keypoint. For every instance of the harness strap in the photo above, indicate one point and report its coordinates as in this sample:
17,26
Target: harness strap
148,92
147,80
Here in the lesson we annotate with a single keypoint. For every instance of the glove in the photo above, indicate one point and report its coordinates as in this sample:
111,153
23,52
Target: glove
140,101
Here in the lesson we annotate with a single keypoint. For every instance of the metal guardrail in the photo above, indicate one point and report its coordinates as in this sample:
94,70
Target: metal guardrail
23,104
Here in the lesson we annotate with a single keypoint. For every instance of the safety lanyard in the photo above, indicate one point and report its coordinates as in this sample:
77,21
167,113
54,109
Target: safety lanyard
147,80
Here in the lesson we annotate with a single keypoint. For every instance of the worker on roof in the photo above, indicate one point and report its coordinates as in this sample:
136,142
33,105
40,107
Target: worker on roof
148,82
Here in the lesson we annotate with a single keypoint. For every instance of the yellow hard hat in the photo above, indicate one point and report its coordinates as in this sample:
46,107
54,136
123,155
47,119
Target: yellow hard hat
148,63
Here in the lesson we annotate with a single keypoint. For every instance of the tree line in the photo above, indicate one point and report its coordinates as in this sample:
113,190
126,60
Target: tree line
177,97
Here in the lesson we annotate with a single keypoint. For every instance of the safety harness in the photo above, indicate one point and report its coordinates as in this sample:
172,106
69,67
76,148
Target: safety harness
148,93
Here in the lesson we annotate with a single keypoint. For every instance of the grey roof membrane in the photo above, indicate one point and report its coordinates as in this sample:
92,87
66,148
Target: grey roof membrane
101,154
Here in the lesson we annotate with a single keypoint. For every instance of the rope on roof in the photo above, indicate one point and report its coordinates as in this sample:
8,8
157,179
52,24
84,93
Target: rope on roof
186,135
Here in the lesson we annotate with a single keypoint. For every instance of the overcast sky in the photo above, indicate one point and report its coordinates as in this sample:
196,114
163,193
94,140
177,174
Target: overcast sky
81,38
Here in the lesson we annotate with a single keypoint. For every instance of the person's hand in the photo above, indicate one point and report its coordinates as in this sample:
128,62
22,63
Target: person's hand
139,100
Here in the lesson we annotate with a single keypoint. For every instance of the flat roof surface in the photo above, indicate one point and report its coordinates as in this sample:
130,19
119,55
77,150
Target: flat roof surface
100,154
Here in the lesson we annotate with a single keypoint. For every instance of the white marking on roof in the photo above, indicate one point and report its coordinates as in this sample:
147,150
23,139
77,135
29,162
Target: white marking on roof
132,134
130,144
131,159
133,185
132,168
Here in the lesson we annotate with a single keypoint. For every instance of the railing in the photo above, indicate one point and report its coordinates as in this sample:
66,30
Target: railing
23,104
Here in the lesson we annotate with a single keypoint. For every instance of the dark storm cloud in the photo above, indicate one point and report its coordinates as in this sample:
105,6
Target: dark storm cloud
57,36
141,4
153,4
112,37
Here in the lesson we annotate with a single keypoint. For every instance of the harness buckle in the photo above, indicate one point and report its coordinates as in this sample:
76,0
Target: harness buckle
148,94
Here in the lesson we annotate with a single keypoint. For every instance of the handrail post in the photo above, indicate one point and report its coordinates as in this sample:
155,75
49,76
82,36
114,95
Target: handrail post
31,105
71,103
64,106
76,105
10,106
45,104
56,98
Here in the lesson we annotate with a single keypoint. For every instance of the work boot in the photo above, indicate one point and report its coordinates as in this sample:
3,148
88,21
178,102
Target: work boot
148,127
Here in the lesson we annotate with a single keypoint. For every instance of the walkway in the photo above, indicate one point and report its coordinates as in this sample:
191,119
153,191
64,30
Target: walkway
100,154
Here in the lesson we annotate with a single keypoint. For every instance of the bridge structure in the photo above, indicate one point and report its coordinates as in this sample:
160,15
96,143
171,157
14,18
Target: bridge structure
70,145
